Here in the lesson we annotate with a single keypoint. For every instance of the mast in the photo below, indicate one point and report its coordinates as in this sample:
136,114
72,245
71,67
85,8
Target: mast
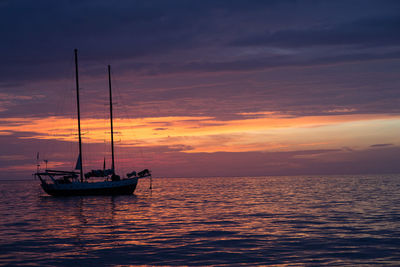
79,114
111,120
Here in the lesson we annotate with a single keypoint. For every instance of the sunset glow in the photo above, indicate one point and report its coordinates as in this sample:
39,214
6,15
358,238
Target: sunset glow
230,88
207,134
199,133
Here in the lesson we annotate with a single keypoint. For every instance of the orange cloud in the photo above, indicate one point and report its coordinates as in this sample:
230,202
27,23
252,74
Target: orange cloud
268,132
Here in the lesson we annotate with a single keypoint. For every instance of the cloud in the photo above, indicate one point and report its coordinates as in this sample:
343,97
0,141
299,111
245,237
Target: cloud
270,132
272,152
172,162
206,76
379,31
381,145
279,163
264,63
158,37
194,54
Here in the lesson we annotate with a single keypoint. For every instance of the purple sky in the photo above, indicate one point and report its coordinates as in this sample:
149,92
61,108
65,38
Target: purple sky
230,64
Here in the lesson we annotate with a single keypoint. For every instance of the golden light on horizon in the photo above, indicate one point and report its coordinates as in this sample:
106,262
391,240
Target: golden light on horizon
269,132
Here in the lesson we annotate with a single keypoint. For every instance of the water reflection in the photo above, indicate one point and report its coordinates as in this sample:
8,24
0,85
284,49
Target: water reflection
271,220
85,220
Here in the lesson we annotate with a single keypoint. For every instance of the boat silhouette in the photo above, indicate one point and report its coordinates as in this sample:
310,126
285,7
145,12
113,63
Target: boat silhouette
76,183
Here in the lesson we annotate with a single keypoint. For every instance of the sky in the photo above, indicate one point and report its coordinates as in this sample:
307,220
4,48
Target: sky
202,88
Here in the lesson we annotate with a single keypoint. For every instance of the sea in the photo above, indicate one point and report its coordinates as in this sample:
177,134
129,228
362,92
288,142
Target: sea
346,220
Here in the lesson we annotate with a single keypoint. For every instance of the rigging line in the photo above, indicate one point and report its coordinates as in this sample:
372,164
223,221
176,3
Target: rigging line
103,92
105,145
68,93
71,145
122,101
60,112
93,152
119,112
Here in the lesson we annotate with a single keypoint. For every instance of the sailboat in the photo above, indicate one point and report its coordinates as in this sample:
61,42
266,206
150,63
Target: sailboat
76,183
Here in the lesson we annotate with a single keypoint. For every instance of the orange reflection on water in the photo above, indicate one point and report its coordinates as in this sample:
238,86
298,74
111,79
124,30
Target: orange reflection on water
207,218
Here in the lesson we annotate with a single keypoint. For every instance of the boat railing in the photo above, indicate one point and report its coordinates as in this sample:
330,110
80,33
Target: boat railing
52,174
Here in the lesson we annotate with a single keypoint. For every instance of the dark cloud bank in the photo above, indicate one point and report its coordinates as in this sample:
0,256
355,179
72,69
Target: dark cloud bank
43,33
153,40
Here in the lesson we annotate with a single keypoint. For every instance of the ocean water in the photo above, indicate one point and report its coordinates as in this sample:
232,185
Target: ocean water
281,221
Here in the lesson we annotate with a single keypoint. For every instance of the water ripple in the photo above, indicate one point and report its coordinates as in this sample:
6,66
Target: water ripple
287,221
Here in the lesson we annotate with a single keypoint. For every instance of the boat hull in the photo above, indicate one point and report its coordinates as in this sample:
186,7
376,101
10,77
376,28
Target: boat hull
122,187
